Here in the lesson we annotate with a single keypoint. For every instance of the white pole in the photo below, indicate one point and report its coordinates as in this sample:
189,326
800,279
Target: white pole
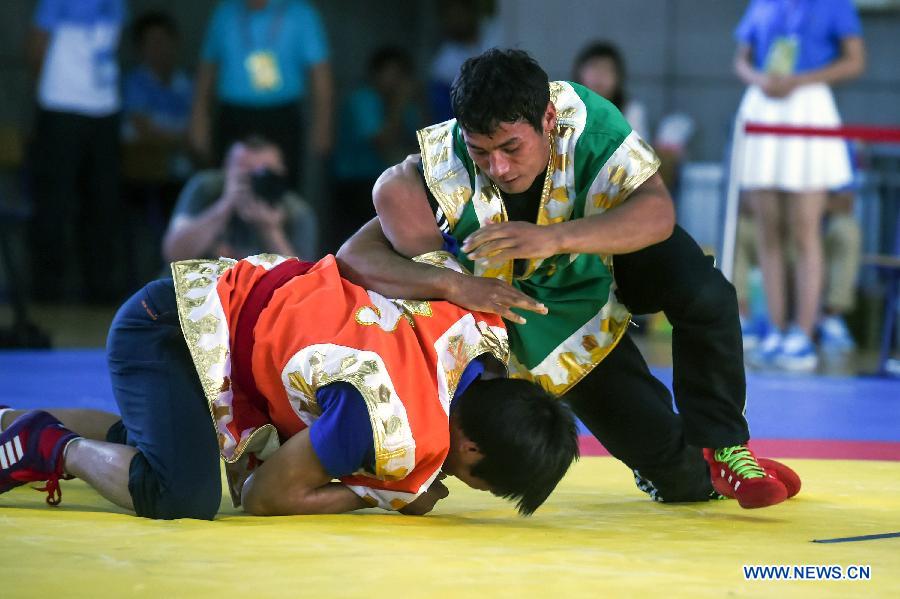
732,198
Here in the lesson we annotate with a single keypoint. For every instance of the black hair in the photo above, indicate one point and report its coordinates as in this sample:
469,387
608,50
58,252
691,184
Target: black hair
387,55
500,86
528,438
604,50
148,21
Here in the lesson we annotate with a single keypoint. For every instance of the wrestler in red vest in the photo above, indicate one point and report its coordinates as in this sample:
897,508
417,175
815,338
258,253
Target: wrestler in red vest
266,333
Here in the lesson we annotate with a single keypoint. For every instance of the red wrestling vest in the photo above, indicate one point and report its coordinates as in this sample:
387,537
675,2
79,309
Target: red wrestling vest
264,338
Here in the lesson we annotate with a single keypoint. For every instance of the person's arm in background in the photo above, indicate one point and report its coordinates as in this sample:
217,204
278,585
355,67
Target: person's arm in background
377,256
136,109
850,65
200,130
193,230
38,38
36,49
313,46
303,228
322,85
269,221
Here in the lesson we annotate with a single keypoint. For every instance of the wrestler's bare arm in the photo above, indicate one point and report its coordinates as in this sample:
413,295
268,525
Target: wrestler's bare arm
377,257
292,482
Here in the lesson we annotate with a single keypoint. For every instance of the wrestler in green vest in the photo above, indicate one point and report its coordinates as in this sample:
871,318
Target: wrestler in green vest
596,161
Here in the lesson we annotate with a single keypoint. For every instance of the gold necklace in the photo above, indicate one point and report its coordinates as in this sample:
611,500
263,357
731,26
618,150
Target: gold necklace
545,196
545,191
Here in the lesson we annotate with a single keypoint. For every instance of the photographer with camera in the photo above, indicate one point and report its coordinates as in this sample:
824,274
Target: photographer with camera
246,208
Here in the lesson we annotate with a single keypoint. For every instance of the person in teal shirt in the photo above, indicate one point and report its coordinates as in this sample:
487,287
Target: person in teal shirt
260,61
377,128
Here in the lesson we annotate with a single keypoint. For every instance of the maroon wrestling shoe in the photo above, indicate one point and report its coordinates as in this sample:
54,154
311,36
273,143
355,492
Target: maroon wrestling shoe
31,451
735,472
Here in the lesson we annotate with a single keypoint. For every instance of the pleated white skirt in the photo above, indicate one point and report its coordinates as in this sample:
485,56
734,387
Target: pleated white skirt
793,163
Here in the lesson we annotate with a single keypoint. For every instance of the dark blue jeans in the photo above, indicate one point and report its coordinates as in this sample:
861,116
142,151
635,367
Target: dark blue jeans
176,473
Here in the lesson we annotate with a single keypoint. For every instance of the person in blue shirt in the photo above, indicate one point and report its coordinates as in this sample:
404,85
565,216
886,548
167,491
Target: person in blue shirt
377,129
72,48
260,60
156,94
789,53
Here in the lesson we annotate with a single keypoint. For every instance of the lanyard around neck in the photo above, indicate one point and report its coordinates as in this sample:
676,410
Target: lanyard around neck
274,25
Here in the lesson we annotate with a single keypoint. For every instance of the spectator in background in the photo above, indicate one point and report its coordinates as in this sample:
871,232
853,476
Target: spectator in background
465,35
600,67
72,48
245,209
377,129
259,59
842,247
157,95
789,52
843,254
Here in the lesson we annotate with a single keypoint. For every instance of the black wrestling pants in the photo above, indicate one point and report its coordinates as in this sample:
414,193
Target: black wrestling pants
630,411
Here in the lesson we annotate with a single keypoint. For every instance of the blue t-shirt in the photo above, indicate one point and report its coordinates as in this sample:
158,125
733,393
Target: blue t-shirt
818,26
168,106
342,435
362,118
80,73
263,55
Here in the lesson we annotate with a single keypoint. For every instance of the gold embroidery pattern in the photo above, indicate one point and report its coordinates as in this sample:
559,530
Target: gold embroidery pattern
466,339
442,259
203,321
206,334
390,500
631,164
314,367
575,357
445,174
386,313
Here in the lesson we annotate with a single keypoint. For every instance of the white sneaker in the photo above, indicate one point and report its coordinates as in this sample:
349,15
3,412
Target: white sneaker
770,346
798,354
834,337
753,331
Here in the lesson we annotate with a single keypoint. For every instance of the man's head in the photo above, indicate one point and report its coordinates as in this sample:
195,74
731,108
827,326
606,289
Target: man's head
600,68
253,154
155,36
501,100
510,437
390,68
459,20
257,163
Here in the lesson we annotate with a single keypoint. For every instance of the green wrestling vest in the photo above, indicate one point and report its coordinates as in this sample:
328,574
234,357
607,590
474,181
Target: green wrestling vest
596,162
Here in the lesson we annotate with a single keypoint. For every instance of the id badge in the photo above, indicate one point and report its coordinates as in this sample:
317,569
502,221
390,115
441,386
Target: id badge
782,57
262,67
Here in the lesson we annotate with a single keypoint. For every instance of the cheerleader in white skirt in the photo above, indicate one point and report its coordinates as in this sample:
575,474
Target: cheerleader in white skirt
789,52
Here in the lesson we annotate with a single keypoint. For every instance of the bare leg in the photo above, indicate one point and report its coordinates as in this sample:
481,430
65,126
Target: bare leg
806,211
104,466
90,424
770,250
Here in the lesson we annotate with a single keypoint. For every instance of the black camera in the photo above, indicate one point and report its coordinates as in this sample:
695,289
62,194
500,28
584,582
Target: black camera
268,185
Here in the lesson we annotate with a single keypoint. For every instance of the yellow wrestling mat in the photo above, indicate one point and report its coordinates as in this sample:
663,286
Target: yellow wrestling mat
596,537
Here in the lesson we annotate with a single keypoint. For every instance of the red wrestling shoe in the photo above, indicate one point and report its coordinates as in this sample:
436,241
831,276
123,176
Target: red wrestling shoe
31,451
785,474
736,473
